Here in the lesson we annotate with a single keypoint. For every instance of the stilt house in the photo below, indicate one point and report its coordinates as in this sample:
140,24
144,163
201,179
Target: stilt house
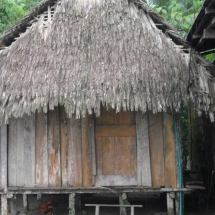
90,90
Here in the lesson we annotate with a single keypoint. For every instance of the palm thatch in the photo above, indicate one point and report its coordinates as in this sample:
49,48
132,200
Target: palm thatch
81,53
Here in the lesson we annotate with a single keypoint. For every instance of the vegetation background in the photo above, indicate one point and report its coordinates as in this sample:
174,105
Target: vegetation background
180,13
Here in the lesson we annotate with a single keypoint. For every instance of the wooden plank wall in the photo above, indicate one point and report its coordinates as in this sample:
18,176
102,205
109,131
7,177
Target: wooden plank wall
50,150
162,150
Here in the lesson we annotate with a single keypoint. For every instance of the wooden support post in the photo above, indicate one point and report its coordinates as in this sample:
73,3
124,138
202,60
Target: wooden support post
25,202
170,204
72,204
39,197
177,203
132,210
122,199
4,204
13,209
97,210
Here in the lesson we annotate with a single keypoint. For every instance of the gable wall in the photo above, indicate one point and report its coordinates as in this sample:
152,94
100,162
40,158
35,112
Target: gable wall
50,150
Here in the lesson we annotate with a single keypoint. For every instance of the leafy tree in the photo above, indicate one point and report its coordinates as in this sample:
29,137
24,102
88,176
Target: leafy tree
13,10
180,13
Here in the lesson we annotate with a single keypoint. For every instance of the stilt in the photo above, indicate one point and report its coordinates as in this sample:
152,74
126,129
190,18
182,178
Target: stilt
72,204
122,201
4,204
39,197
13,209
25,202
177,203
170,203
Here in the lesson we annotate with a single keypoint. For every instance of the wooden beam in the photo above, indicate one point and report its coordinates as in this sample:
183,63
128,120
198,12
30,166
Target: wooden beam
82,190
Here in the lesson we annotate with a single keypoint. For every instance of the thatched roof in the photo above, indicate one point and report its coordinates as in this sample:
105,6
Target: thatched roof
80,53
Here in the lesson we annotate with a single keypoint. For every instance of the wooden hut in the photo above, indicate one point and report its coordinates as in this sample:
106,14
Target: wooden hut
89,93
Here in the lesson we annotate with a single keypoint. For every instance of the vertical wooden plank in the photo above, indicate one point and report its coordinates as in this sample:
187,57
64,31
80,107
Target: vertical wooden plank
54,168
125,118
70,166
12,147
120,158
77,151
132,148
99,155
29,150
156,149
92,143
170,151
143,150
41,144
20,177
64,147
4,204
3,154
108,163
86,153
108,116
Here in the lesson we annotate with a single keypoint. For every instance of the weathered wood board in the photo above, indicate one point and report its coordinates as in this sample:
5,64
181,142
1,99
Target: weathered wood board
170,151
12,154
116,147
54,163
21,160
41,144
77,149
156,149
87,178
143,150
65,148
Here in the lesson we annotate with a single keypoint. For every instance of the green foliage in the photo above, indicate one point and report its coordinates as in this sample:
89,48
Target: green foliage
13,10
125,202
179,13
210,57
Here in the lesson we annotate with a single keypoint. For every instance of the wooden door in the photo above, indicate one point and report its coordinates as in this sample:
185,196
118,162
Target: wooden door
116,148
